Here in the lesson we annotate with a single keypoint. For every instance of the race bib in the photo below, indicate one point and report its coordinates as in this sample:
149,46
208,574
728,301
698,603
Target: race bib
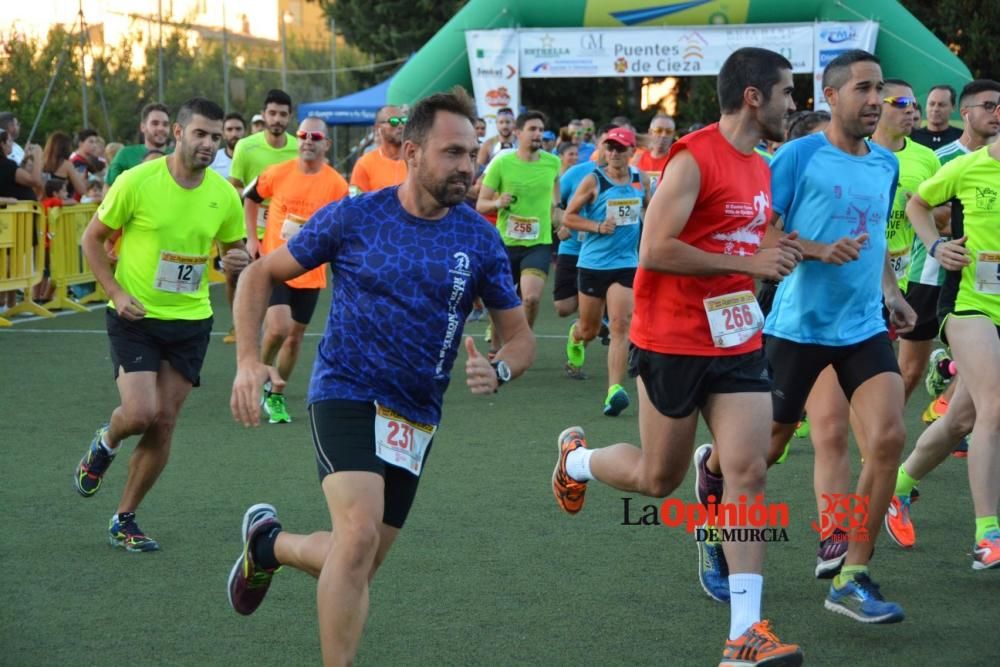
180,273
291,226
654,180
624,211
401,442
261,217
900,260
522,229
988,272
733,318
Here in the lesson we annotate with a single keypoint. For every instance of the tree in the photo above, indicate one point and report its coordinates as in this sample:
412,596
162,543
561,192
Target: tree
389,29
968,27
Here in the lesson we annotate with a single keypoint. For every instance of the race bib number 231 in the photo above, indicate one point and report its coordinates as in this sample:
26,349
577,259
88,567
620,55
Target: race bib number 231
401,442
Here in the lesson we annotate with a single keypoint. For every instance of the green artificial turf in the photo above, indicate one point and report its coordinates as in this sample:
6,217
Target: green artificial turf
487,571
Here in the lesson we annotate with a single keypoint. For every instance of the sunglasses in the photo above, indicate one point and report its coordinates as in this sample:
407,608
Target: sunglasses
988,107
661,131
396,121
900,101
615,147
312,136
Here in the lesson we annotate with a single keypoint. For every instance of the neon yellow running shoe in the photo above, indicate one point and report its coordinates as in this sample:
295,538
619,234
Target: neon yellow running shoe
576,352
616,401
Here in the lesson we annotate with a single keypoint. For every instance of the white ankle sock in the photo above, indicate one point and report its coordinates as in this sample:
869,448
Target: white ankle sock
578,464
744,602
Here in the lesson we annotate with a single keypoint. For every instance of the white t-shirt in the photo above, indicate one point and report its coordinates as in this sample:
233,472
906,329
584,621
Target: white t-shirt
222,163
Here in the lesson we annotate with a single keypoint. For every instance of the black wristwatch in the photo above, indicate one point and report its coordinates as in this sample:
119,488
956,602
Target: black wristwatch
502,371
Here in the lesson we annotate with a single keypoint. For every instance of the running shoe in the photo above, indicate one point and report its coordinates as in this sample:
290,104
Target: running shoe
986,554
124,532
276,409
831,554
616,401
576,351
574,373
713,570
898,524
936,380
568,492
861,600
705,483
488,336
802,428
759,646
248,583
90,471
962,451
230,337
934,411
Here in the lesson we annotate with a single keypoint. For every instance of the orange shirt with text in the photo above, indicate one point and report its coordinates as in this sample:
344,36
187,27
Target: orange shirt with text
295,196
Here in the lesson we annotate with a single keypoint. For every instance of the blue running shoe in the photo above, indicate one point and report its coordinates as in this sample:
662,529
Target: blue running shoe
861,600
616,401
713,571
124,532
90,471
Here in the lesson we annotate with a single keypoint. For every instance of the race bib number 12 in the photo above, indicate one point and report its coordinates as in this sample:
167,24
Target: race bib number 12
401,442
733,318
179,273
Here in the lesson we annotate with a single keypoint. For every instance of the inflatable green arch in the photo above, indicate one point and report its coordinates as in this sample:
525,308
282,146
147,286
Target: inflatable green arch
907,49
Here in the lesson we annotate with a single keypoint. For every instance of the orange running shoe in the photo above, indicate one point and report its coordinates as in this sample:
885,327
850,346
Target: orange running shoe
935,410
986,554
759,646
568,491
898,524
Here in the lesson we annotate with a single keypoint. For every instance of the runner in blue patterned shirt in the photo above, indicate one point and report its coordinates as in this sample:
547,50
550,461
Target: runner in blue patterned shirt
407,263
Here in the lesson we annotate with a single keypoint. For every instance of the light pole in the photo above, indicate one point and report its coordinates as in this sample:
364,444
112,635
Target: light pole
286,18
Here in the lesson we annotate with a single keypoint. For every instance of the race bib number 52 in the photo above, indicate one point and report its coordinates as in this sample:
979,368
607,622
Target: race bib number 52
180,273
401,442
733,318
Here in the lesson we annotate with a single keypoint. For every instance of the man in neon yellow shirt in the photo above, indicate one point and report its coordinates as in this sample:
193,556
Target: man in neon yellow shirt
522,188
257,152
917,163
970,310
159,318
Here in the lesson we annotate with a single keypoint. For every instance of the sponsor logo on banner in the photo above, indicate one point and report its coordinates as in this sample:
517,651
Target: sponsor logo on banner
493,63
573,52
834,38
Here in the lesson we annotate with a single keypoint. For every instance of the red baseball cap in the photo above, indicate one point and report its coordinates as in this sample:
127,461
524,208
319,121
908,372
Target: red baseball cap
621,135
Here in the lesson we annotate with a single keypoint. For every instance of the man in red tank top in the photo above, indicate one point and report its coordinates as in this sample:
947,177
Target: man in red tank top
696,336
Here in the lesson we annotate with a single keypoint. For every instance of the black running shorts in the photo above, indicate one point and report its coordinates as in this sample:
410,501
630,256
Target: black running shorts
534,259
344,437
678,384
564,285
795,367
144,344
595,282
924,300
302,300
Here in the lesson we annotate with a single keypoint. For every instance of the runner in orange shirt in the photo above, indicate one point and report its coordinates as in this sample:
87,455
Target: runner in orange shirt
297,189
382,167
653,158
